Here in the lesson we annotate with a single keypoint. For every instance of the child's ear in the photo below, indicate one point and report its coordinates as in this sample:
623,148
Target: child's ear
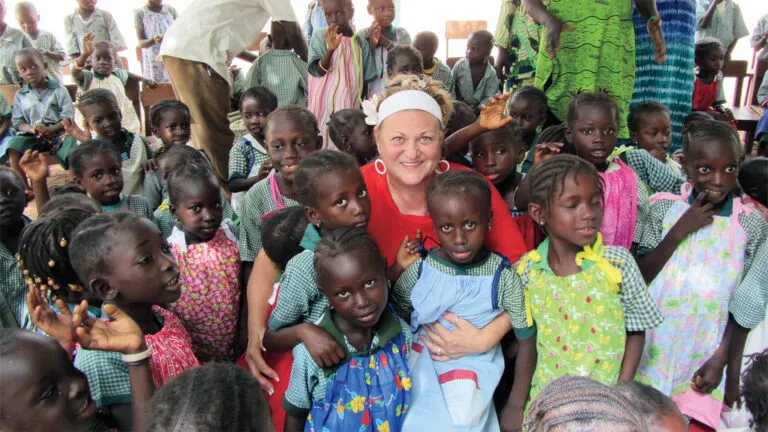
154,130
78,181
102,289
536,212
568,134
313,215
520,155
633,136
172,209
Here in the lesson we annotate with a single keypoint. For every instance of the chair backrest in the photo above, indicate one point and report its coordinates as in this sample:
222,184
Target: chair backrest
760,68
150,97
736,69
9,92
461,30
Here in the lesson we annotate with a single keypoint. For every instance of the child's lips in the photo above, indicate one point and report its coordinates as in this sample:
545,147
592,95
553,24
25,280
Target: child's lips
87,409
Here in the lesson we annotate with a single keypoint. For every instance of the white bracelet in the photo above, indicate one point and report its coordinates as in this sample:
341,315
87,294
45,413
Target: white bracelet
133,358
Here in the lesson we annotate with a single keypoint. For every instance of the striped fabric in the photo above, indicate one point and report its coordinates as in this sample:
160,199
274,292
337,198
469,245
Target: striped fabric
672,82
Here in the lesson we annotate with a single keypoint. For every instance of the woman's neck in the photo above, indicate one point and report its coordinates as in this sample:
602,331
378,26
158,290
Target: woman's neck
285,186
358,337
562,257
410,200
143,315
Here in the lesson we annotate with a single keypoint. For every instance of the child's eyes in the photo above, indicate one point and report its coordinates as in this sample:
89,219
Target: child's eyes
363,193
369,283
586,131
479,154
97,176
340,202
501,151
51,392
145,259
731,169
703,170
343,294
609,131
195,208
445,228
470,225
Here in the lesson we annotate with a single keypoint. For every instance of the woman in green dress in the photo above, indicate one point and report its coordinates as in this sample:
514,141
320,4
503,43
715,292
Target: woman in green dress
590,45
517,37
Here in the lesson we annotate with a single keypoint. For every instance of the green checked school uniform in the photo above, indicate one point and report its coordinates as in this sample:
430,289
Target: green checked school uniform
261,200
245,160
13,291
284,73
299,299
749,301
132,203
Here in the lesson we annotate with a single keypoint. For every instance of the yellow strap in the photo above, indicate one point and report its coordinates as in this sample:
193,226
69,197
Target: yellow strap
164,205
535,257
595,253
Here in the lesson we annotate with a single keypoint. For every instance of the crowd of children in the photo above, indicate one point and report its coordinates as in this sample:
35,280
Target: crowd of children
124,305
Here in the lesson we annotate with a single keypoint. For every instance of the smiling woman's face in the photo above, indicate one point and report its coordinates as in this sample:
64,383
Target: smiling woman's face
410,144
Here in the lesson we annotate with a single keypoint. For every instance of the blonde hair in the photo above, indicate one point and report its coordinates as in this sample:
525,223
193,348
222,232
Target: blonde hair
423,83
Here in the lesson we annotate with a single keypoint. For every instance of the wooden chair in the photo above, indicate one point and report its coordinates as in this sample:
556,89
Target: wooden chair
760,67
9,92
151,96
737,69
458,30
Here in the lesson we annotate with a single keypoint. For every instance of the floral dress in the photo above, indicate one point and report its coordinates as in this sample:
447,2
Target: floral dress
154,24
171,349
210,296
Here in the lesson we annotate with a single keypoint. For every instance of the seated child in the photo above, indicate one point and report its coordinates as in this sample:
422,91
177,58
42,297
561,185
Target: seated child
474,77
6,125
38,109
426,42
209,305
44,41
461,117
106,75
248,159
13,311
96,168
601,308
375,345
102,115
170,122
281,70
87,19
382,37
528,108
353,135
707,91
340,66
650,129
694,251
753,179
232,401
404,59
464,278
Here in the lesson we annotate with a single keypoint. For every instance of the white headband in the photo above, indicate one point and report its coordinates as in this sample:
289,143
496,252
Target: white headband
401,101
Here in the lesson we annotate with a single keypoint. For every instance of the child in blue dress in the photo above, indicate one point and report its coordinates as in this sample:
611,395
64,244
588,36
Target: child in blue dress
464,278
370,390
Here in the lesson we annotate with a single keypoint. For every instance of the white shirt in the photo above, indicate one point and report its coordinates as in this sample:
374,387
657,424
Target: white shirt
215,31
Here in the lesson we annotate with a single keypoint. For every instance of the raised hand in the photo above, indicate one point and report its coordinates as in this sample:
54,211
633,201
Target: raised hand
546,151
33,163
89,43
657,38
150,83
57,326
323,348
122,335
332,37
375,36
72,129
492,114
264,170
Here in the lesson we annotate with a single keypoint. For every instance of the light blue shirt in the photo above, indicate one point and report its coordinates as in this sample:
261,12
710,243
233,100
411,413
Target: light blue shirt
48,106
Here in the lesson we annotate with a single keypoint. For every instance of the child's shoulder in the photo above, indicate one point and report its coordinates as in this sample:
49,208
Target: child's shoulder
302,263
754,224
618,256
259,191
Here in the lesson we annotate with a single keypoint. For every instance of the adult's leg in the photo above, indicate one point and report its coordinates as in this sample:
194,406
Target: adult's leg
207,96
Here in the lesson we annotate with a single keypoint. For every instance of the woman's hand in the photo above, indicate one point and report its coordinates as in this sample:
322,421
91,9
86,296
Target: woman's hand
323,348
122,335
258,366
57,326
446,344
492,114
33,163
332,37
657,38
545,151
72,129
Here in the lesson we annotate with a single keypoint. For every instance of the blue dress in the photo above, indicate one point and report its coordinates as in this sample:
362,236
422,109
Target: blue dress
455,395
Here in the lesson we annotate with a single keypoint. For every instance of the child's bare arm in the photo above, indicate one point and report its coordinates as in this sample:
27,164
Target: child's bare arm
295,422
325,351
407,254
735,354
709,375
491,117
633,349
525,364
33,163
5,126
147,81
243,184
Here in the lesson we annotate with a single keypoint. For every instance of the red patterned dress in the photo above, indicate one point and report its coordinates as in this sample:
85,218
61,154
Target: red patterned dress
171,349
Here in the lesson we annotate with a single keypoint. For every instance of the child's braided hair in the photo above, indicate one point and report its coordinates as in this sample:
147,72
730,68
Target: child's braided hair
44,253
550,175
754,389
636,113
574,403
460,182
189,173
600,97
343,122
343,241
534,94
313,167
652,404
97,97
303,116
88,150
157,110
281,234
71,197
266,97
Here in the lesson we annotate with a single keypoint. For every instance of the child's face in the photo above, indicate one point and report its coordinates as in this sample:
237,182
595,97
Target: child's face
383,11
341,200
494,156
104,120
42,389
338,12
141,270
427,46
526,113
575,211
255,117
593,133
173,128
28,20
13,199
461,222
102,60
360,143
406,64
31,69
288,144
199,210
102,178
356,286
654,134
87,5
713,168
712,62
478,49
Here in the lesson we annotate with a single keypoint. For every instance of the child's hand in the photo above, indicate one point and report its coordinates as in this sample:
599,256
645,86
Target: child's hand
699,215
158,39
122,335
375,36
332,37
40,129
657,39
89,43
492,114
264,170
545,151
72,129
511,419
709,375
57,326
149,166
150,83
321,346
33,163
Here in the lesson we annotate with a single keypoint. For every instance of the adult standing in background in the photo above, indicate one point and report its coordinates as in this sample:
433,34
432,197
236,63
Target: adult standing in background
670,83
197,50
88,19
152,21
517,37
722,20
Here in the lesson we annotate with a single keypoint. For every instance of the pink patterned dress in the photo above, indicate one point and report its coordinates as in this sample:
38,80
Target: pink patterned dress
620,210
171,349
210,298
